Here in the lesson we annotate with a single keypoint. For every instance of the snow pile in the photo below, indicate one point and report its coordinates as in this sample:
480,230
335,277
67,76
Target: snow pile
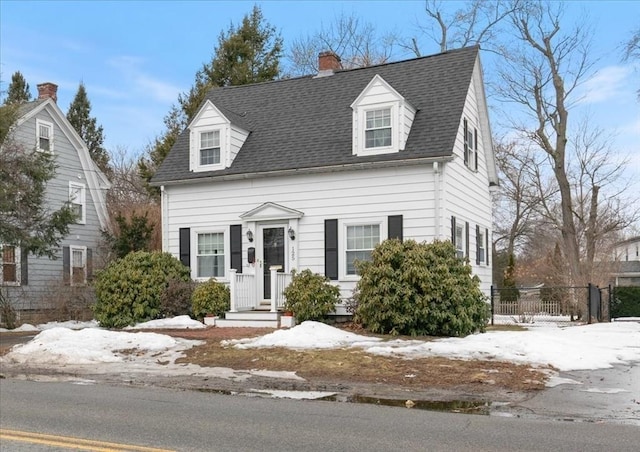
177,323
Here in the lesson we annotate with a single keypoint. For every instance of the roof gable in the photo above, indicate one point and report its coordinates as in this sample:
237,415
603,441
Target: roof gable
271,211
305,124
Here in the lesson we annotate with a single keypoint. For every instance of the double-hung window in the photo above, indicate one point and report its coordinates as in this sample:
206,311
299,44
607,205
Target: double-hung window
480,238
209,148
470,146
77,200
78,267
378,128
361,240
10,260
210,255
44,135
460,241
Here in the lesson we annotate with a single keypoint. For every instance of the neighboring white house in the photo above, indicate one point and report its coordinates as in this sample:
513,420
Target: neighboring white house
627,258
31,282
313,172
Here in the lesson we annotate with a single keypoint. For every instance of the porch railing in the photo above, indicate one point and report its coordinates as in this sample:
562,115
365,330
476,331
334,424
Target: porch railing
244,290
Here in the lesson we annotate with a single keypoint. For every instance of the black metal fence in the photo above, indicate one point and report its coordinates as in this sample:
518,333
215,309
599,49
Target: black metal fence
551,305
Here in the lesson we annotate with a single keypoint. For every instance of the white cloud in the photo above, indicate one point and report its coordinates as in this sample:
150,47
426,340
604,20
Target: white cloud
609,83
156,89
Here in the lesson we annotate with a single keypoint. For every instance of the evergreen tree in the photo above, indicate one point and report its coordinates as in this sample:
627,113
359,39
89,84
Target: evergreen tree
79,115
25,218
18,91
246,54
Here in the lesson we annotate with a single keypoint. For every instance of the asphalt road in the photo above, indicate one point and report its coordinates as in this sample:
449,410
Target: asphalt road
163,419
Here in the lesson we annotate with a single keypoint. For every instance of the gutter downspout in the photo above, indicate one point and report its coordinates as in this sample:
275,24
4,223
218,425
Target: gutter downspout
164,220
436,178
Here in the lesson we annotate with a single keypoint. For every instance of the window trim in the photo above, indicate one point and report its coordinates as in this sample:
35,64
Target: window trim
195,254
470,145
49,125
460,242
17,255
372,129
200,148
361,129
196,137
83,250
343,225
480,246
83,200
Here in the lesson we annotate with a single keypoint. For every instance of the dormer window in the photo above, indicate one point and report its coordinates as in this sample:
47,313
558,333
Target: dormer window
378,128
382,119
210,148
44,135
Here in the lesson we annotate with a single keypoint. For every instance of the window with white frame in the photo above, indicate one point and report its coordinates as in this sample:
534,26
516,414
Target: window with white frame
210,255
78,265
10,262
77,201
209,152
460,241
360,242
44,135
481,249
470,146
378,128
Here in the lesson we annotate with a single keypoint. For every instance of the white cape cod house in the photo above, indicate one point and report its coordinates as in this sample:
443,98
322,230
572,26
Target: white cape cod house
313,172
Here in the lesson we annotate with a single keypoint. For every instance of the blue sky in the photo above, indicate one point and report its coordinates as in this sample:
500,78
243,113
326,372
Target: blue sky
135,57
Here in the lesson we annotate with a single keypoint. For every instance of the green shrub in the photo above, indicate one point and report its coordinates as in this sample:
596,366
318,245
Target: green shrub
129,290
418,289
310,296
625,302
211,297
176,299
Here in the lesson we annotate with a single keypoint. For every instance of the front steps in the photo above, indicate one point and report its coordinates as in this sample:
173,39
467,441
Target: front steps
254,319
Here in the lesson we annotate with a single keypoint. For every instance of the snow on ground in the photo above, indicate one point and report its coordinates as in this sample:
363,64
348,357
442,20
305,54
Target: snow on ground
96,350
178,323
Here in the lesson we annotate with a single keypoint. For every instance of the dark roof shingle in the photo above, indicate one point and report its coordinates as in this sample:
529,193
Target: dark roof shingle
307,122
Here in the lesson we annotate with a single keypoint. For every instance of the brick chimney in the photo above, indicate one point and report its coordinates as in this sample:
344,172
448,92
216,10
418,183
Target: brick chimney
48,90
328,61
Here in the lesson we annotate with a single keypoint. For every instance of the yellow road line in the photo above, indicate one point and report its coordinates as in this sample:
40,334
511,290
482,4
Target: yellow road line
71,442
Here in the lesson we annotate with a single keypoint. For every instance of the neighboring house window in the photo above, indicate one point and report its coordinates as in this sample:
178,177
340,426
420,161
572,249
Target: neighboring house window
361,239
378,128
10,260
210,148
44,135
77,199
78,267
470,146
210,255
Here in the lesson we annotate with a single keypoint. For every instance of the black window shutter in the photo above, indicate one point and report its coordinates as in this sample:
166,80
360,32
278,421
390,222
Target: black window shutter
331,249
487,250
394,226
478,244
24,267
185,246
466,239
89,264
453,230
236,246
466,142
66,265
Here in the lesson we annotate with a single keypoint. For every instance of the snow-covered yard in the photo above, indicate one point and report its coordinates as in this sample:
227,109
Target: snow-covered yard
72,344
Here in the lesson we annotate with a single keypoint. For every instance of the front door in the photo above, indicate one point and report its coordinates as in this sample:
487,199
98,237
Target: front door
273,252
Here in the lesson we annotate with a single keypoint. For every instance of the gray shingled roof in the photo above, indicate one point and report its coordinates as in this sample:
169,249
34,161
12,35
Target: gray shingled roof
306,122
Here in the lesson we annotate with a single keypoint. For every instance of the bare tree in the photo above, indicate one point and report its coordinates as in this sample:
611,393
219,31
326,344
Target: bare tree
631,51
541,75
478,22
356,42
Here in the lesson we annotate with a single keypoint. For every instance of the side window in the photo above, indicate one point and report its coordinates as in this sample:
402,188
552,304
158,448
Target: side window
470,136
460,241
360,241
480,241
77,199
10,261
210,255
44,135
